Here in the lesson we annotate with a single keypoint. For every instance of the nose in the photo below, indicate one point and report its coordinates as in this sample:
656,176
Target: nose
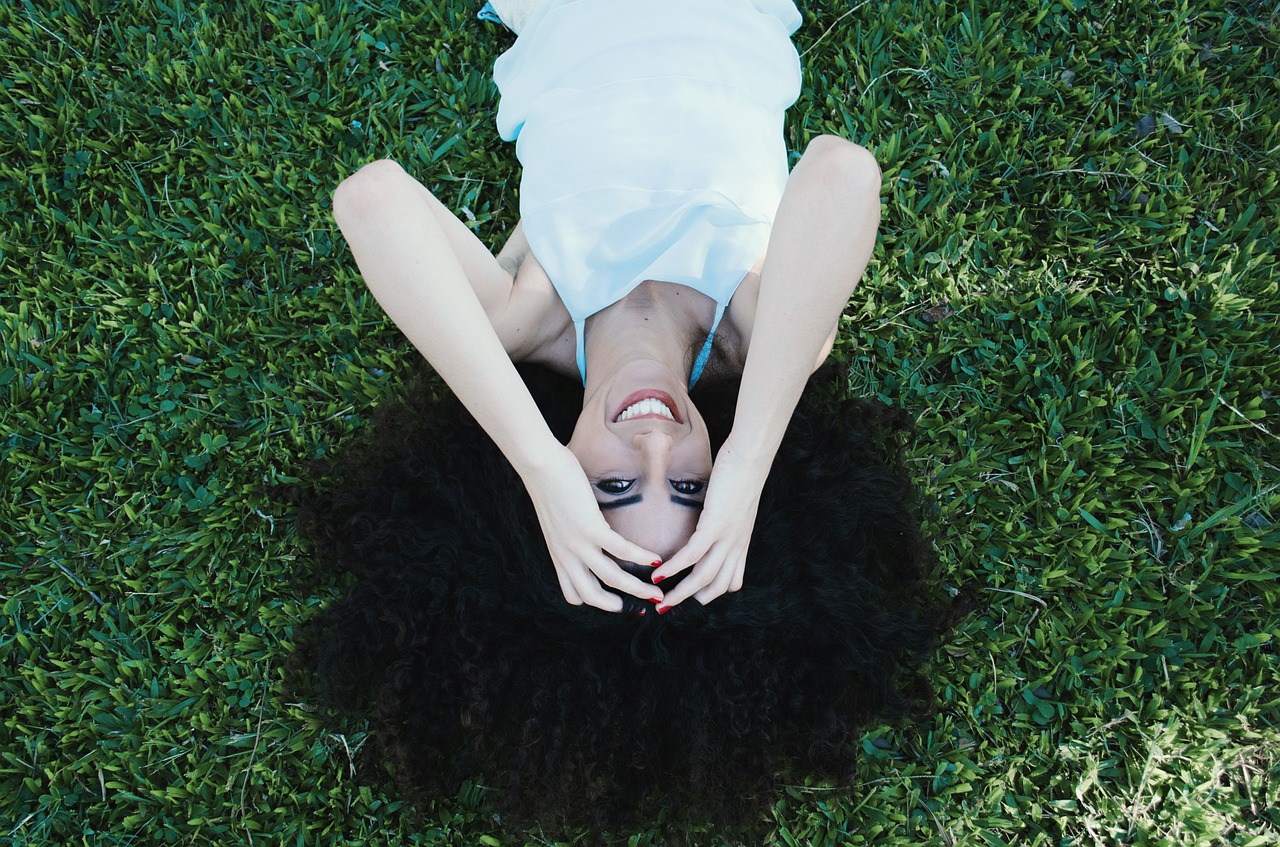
654,446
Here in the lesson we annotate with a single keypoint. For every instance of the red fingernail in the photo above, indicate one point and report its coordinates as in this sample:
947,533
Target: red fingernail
655,599
656,564
640,614
662,610
658,579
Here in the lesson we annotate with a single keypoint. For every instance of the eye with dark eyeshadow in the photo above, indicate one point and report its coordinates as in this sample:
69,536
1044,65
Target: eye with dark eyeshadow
688,487
615,485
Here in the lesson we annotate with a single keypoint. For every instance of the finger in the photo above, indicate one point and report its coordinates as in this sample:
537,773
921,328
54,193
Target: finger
590,589
608,572
720,585
571,595
699,578
692,552
626,551
738,574
594,595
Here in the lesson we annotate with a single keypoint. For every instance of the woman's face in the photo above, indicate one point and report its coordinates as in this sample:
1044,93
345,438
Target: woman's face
646,452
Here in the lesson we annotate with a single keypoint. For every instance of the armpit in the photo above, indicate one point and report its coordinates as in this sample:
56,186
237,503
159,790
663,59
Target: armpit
513,253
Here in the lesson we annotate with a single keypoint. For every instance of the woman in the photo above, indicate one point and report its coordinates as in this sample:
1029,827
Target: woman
656,207
649,264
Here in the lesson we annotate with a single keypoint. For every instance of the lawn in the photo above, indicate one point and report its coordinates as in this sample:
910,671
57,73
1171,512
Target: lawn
1075,294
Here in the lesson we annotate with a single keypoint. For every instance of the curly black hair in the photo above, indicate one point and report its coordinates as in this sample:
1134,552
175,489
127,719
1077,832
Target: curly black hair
454,633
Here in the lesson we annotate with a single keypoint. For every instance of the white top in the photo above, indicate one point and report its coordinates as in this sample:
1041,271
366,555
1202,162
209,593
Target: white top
650,132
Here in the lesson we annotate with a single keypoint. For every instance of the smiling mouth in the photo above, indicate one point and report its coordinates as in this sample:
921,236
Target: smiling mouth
649,403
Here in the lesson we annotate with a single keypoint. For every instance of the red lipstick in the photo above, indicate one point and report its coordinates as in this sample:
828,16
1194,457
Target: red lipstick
648,394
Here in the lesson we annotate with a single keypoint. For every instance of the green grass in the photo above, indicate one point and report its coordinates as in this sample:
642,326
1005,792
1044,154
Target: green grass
1075,292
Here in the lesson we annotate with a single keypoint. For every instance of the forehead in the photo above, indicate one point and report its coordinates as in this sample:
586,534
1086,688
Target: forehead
654,523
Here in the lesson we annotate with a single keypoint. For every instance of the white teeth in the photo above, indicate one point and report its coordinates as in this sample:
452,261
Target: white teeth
646,407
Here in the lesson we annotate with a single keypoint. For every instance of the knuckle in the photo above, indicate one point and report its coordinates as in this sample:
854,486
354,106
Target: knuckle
606,601
608,573
700,581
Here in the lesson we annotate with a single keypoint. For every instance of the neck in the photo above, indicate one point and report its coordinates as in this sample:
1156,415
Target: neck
653,323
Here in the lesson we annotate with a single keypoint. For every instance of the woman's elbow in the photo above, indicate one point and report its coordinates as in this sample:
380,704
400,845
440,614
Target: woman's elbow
844,163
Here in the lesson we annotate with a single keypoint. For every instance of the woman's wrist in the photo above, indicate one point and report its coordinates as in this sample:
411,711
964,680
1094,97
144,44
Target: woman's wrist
758,428
535,456
750,459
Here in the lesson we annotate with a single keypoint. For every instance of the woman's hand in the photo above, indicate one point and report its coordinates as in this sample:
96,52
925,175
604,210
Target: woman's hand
717,550
579,539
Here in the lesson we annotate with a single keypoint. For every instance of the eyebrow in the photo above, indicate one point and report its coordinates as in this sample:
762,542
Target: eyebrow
636,498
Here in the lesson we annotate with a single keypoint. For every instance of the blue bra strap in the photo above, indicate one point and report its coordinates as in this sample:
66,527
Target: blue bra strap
705,353
580,330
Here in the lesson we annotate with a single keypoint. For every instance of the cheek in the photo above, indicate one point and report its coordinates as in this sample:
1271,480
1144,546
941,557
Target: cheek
592,453
696,456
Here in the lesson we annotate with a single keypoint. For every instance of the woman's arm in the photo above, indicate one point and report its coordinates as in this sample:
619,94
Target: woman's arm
447,299
821,242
